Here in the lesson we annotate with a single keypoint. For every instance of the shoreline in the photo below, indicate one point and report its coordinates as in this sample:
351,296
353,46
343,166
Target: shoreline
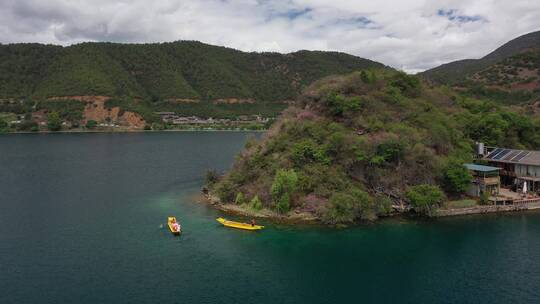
530,206
132,131
233,209
294,218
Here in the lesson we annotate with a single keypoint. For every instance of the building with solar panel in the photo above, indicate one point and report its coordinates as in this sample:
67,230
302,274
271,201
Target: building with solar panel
519,169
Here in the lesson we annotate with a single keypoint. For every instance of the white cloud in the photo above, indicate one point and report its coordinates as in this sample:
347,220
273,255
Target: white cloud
413,35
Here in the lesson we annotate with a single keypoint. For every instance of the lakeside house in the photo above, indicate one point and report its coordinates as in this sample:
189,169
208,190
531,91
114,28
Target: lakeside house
508,176
519,169
486,179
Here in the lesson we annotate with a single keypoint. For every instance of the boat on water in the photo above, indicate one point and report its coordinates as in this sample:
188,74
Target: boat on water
238,225
174,226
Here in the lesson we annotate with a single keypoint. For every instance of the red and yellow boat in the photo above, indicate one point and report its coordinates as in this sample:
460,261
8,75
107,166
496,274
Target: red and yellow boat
174,226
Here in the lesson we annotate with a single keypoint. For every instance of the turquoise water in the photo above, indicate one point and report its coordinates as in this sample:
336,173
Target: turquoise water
81,220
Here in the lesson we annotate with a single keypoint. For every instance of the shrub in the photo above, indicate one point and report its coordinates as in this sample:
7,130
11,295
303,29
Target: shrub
384,205
28,125
424,197
256,203
3,125
225,190
158,126
91,124
457,178
368,76
308,151
239,200
388,152
285,183
54,123
484,198
339,104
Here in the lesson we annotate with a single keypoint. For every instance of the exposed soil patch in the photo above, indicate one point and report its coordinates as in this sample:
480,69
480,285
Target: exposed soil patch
95,109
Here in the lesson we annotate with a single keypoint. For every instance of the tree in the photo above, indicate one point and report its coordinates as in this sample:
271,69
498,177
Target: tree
91,124
347,207
339,104
308,151
409,85
457,178
390,151
211,177
225,190
3,125
368,76
285,183
54,122
341,209
424,197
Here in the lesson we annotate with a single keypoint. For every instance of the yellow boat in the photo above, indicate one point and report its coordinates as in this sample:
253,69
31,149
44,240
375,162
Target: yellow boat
238,225
171,221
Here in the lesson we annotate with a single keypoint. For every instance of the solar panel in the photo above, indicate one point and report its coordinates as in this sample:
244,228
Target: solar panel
521,156
494,152
512,155
501,154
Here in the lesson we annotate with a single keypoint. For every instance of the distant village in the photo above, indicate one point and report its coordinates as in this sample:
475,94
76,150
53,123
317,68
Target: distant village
170,119
175,119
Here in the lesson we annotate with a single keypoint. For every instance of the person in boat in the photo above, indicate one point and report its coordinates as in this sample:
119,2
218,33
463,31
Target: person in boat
252,222
175,225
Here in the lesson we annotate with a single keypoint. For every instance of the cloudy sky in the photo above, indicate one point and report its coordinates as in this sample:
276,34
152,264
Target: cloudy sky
412,35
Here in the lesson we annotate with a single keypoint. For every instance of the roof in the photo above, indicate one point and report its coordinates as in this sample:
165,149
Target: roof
513,156
529,178
481,168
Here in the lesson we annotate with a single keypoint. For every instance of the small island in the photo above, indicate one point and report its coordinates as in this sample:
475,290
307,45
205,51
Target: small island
377,143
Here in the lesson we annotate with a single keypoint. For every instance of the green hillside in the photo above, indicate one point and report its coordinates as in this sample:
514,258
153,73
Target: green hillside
158,72
510,74
354,145
457,71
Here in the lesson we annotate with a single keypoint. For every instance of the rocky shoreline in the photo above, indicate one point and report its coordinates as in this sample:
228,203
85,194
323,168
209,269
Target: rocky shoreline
294,217
233,209
487,209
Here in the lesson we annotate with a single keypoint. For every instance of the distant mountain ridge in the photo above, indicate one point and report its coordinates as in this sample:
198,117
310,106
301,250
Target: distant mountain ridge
457,70
184,70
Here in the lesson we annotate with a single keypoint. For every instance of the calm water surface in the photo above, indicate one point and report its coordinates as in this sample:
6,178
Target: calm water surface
81,220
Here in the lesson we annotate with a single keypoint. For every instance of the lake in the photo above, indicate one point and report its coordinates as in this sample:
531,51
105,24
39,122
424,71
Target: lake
82,221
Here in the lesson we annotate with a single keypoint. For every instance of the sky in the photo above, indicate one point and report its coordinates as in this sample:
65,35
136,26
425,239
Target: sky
411,35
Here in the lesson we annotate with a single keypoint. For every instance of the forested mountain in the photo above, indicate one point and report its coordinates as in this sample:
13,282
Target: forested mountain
456,71
157,72
510,74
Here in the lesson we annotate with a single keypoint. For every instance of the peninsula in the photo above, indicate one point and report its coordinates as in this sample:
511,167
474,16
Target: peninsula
368,145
